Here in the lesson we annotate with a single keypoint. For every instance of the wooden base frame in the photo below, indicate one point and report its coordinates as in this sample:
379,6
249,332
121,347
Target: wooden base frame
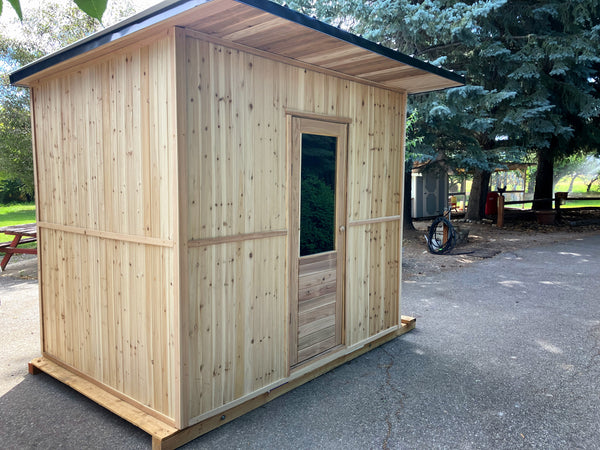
165,436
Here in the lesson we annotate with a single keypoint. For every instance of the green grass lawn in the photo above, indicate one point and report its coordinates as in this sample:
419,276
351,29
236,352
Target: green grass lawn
570,204
16,214
581,203
579,187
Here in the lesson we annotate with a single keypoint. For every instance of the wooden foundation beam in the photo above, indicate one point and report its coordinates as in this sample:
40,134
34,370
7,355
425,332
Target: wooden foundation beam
165,436
114,404
188,434
33,370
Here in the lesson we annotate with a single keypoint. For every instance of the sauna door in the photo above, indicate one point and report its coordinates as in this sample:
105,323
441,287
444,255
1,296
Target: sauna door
317,237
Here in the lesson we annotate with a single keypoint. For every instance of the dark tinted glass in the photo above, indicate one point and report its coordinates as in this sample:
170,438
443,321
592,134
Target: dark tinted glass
317,197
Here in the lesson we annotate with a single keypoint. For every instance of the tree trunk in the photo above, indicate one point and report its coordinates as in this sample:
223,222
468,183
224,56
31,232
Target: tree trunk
407,212
478,195
573,178
544,181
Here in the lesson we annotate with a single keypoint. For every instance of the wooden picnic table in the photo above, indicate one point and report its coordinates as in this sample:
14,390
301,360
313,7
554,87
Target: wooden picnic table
22,235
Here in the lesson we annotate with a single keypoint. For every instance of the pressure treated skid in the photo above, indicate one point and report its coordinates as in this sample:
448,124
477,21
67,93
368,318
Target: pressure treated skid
165,436
167,158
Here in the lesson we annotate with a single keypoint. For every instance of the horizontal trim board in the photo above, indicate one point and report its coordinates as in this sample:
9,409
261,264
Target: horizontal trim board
236,238
356,223
323,117
157,242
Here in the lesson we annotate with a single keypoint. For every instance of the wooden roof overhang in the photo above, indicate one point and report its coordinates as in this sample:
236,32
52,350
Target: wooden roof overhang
260,26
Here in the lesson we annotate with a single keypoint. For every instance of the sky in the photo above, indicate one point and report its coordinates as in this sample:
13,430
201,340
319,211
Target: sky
9,20
9,17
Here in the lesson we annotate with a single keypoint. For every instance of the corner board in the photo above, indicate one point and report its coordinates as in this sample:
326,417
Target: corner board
165,436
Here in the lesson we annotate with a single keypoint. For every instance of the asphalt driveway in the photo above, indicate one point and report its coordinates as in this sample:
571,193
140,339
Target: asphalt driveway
506,354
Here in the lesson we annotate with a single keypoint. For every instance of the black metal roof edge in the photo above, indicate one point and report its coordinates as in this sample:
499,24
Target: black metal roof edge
137,22
169,9
317,25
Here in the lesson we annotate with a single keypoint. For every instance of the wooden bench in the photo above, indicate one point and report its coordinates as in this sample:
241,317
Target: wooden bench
23,234
22,241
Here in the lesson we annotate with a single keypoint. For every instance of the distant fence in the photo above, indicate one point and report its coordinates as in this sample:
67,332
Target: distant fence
559,201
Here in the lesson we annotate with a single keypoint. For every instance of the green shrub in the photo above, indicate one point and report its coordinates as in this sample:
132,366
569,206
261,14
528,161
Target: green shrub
13,190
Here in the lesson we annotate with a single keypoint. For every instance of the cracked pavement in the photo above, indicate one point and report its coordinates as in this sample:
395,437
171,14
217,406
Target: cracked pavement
505,355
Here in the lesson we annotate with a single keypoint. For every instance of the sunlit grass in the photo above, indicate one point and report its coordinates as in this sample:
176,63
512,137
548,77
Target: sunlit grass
16,214
578,187
581,203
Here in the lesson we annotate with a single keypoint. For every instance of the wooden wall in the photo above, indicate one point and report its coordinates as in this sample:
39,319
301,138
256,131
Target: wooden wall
237,320
237,218
105,156
111,206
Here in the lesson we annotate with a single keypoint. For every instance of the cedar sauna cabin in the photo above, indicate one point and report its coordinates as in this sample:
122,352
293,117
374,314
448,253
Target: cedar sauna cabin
219,207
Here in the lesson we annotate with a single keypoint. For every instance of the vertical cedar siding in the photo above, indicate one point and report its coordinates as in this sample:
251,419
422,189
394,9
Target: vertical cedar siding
105,189
237,213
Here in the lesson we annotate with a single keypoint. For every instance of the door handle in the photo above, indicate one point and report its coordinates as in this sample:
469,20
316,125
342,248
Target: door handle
342,228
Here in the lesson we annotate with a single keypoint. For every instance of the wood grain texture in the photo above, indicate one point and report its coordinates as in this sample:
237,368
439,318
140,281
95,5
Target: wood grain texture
99,167
244,405
242,26
104,153
237,306
374,259
130,170
239,107
147,422
320,274
227,112
317,287
104,313
376,155
242,115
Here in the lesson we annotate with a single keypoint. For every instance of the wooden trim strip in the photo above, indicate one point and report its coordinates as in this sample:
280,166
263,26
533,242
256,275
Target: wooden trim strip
108,235
403,182
236,238
293,62
180,201
355,223
315,116
36,179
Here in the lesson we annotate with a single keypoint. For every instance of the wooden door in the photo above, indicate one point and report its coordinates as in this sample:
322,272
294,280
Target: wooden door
317,237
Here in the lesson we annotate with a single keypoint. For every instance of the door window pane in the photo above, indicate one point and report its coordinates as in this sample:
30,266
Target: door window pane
317,194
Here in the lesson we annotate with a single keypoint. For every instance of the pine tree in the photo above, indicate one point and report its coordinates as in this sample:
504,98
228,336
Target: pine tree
552,64
457,126
532,72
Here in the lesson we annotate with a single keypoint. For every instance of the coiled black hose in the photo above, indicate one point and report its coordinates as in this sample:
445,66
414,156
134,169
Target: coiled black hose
435,237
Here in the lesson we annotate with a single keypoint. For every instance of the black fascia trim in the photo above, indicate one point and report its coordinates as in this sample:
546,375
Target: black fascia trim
135,23
317,25
165,11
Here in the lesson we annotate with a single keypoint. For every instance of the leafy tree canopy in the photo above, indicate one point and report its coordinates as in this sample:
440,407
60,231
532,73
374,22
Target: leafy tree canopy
16,159
46,29
93,8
